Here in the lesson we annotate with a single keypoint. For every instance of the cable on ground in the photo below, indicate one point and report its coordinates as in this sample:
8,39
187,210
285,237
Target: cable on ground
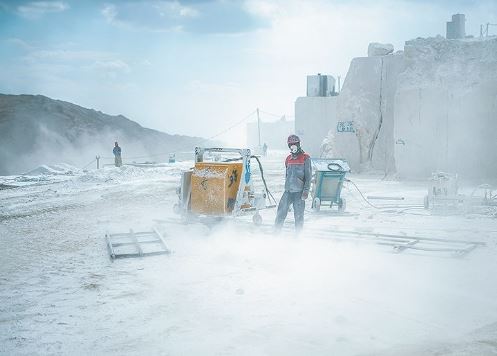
362,195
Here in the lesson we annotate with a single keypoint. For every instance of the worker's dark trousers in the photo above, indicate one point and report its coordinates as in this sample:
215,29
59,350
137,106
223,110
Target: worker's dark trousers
298,209
118,162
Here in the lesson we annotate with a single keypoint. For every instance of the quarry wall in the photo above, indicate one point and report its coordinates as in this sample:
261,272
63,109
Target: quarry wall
431,107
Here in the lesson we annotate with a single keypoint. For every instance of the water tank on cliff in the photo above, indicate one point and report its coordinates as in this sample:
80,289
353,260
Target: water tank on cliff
457,27
320,85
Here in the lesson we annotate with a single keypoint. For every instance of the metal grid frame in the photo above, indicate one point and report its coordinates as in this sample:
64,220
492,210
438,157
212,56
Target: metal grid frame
138,240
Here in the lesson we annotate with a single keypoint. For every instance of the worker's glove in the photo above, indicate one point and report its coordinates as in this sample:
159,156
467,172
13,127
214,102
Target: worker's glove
305,195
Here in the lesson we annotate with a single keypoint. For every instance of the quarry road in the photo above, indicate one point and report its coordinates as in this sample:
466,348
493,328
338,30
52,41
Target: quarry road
232,288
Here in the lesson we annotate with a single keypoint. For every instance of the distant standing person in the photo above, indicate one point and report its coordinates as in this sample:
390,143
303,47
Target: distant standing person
264,149
297,184
117,155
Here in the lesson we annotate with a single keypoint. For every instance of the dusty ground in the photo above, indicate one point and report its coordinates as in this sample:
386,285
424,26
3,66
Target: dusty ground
233,289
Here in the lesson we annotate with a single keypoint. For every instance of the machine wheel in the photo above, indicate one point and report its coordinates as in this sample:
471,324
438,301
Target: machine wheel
257,219
426,202
342,204
316,204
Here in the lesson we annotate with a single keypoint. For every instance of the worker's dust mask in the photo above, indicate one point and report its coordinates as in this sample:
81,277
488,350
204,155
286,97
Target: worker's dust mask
294,149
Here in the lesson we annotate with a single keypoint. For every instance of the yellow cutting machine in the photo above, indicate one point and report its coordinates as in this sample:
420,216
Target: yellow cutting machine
222,188
215,187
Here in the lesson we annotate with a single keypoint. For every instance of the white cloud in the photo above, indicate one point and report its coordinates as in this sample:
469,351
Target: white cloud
262,8
174,8
36,9
68,55
63,54
20,43
109,12
116,65
77,61
149,15
211,17
188,12
222,89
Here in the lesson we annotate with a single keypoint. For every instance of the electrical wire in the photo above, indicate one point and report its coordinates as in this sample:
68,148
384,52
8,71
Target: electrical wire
89,163
231,127
406,207
245,118
275,115
362,195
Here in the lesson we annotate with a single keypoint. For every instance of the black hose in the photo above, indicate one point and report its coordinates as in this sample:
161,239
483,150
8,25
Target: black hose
263,179
262,174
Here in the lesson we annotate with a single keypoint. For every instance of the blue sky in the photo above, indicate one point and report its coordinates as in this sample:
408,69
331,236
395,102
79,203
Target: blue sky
196,67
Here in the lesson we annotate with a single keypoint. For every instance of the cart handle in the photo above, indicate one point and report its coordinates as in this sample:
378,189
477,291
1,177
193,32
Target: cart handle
335,167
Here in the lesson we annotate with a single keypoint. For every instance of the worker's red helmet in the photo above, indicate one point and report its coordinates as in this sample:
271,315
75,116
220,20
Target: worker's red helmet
293,140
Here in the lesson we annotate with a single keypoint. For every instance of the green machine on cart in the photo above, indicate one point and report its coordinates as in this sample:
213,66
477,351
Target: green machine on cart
327,182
